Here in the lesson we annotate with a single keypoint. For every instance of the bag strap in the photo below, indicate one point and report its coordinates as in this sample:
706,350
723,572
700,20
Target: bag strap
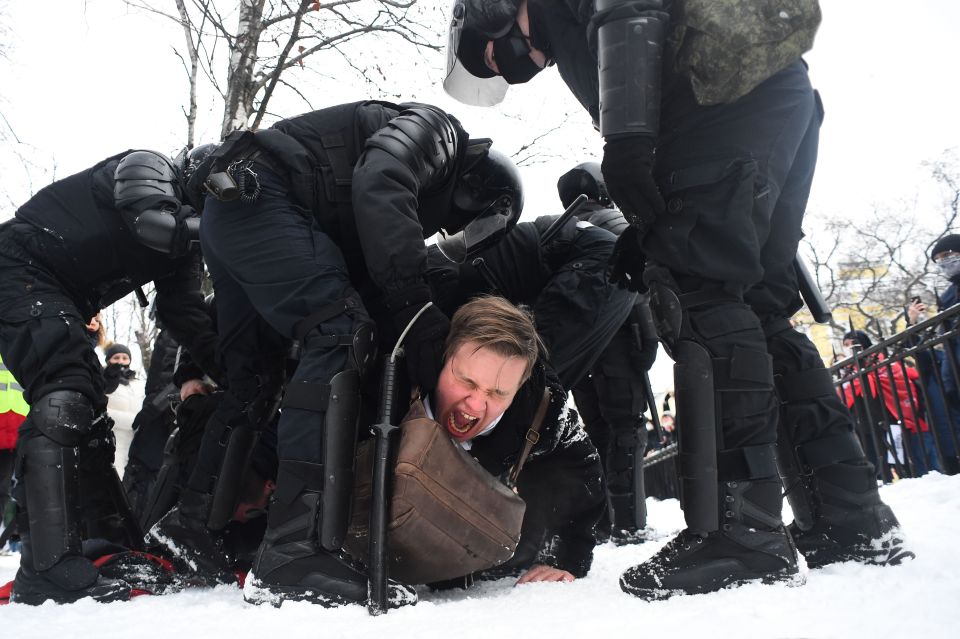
532,437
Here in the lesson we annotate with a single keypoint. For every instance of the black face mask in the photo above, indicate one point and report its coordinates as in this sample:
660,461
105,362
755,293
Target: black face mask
512,54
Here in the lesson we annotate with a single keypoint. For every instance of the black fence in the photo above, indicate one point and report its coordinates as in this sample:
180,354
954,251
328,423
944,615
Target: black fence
904,395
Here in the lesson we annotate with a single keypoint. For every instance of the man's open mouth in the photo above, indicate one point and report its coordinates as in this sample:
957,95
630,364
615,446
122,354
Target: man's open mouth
460,422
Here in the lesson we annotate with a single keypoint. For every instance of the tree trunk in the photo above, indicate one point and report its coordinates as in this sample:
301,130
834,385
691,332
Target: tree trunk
243,58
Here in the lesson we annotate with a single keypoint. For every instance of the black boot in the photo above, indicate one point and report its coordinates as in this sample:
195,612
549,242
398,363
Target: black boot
51,563
627,496
830,485
195,549
291,564
750,545
850,523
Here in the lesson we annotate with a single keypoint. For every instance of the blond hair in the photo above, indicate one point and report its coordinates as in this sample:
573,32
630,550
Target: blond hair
493,322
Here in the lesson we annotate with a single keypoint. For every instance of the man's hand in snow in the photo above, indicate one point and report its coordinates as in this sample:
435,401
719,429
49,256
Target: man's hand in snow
540,572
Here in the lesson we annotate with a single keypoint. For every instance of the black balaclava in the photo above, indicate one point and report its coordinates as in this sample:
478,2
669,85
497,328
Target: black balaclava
512,54
123,372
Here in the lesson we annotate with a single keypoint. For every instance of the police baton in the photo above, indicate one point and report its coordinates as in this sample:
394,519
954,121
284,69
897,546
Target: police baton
561,221
647,388
377,603
810,292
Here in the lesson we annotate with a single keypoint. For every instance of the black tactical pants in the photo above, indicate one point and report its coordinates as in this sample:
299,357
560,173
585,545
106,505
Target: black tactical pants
611,401
736,180
43,341
269,260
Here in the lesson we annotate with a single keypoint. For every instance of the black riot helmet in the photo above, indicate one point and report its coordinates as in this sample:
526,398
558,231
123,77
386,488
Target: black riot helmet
187,161
491,18
584,178
486,204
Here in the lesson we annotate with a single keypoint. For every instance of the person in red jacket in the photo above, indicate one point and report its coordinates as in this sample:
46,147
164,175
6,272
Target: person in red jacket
13,409
892,387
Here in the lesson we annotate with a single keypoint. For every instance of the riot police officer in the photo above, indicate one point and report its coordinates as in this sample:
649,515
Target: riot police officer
320,223
613,398
710,151
74,248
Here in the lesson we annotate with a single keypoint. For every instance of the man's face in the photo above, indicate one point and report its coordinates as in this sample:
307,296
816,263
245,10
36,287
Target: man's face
475,387
944,255
119,358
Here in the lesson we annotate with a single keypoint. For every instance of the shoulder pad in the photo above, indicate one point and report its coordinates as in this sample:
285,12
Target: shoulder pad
144,180
609,219
424,138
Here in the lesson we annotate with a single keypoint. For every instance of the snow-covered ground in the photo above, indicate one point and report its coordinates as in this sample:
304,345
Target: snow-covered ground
918,599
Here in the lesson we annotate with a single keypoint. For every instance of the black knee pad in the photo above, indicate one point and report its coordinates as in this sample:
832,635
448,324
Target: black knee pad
64,416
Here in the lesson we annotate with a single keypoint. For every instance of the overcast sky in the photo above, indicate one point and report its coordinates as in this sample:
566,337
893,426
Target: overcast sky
86,79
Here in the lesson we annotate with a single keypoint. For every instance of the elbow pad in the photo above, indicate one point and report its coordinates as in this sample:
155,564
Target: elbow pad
630,38
166,232
424,139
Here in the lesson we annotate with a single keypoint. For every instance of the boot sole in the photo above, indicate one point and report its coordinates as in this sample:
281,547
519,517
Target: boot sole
67,597
790,577
888,550
895,557
275,595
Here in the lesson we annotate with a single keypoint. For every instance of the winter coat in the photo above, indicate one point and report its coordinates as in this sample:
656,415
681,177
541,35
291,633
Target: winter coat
894,390
13,409
561,481
948,299
123,404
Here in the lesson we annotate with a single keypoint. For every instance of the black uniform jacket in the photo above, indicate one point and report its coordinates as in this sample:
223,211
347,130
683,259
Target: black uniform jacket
73,229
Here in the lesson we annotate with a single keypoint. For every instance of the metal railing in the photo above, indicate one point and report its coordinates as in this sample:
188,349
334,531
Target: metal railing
904,393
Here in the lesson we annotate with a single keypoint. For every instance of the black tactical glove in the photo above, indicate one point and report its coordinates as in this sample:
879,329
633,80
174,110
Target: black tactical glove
112,376
188,230
627,162
628,260
424,343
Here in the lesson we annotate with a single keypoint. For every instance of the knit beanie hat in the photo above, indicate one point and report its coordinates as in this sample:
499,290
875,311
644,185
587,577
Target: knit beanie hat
946,243
113,349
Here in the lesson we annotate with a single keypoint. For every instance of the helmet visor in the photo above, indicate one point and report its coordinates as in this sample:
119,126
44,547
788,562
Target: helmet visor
470,82
481,233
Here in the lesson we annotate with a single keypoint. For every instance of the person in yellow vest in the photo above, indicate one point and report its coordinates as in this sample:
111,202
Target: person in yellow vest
12,412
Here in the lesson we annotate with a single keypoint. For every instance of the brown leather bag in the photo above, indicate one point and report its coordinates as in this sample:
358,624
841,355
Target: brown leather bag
448,516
